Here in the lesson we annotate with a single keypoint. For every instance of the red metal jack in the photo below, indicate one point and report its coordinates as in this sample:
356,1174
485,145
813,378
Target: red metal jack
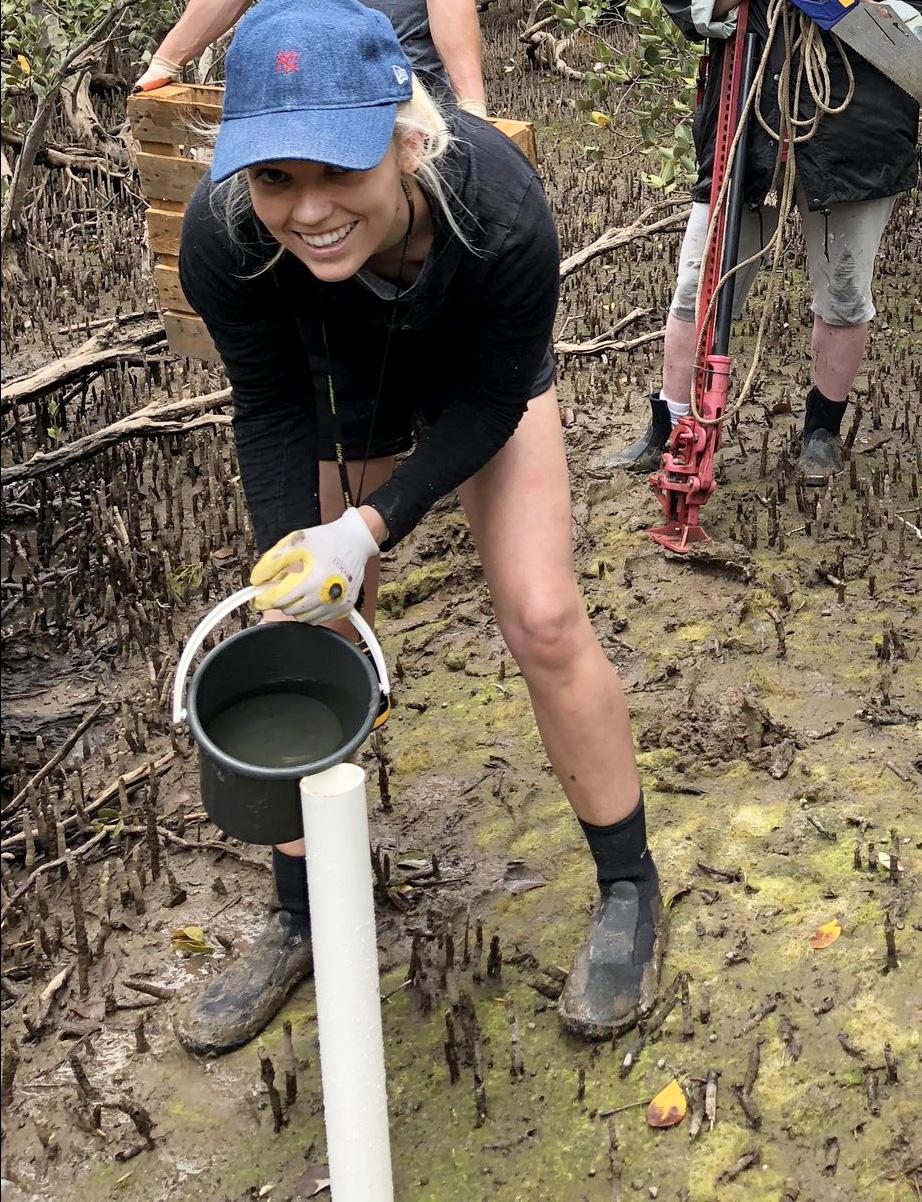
685,479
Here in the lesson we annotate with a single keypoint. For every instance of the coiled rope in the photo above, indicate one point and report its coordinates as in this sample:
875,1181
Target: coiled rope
800,35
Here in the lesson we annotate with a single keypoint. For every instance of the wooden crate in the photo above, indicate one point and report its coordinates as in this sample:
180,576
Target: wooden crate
168,123
172,159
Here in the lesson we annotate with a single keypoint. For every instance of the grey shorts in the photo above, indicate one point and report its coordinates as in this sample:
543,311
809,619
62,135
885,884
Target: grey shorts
841,249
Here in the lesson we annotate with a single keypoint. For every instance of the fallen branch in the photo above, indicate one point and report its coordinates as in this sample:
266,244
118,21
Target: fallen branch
552,49
527,34
605,342
616,237
117,340
129,780
599,342
77,159
153,420
27,884
58,756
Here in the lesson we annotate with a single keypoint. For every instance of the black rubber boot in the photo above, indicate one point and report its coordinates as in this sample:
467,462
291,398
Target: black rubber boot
644,455
823,454
614,976
240,1002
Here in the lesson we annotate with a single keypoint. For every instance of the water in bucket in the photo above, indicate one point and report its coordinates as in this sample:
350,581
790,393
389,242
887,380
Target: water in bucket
295,723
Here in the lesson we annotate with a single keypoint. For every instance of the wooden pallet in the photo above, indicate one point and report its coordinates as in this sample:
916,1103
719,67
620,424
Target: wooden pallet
168,123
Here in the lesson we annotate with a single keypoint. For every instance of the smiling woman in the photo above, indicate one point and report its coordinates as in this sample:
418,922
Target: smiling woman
421,138
371,270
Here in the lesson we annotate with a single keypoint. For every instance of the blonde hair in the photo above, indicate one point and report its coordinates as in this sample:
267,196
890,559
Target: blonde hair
420,117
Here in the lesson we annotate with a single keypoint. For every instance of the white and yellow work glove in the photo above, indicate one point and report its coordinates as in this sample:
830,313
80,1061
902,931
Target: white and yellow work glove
315,575
477,107
160,72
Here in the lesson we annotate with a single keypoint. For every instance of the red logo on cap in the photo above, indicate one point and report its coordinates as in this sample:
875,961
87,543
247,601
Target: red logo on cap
286,62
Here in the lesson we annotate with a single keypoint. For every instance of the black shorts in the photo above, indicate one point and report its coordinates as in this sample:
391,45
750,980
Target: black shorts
396,422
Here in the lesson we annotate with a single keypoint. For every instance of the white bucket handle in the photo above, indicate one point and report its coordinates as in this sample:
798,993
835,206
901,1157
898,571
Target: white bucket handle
227,606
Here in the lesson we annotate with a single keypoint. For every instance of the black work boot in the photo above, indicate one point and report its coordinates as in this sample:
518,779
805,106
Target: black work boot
617,968
241,1001
823,454
614,976
644,455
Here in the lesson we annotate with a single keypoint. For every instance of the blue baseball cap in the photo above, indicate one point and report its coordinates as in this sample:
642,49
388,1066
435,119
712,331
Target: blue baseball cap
318,80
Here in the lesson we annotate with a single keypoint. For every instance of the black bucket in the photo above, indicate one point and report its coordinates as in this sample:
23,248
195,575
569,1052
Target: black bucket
252,801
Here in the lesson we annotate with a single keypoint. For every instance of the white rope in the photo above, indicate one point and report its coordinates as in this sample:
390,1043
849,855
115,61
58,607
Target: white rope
813,69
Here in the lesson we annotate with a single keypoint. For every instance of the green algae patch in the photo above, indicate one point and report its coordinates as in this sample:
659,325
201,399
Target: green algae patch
657,760
737,770
101,1181
414,761
758,820
695,632
415,586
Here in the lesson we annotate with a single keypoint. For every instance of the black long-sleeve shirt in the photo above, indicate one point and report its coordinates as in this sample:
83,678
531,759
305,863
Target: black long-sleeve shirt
470,336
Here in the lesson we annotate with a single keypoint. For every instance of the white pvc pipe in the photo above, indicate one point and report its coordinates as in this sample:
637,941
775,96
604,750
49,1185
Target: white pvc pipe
340,887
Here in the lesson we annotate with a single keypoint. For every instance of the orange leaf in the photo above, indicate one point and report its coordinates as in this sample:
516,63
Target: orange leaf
668,1107
828,933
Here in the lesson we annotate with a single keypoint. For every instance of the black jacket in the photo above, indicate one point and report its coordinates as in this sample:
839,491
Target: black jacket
867,152
469,339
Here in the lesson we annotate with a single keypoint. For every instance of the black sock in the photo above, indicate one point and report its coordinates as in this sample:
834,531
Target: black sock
823,414
291,885
620,851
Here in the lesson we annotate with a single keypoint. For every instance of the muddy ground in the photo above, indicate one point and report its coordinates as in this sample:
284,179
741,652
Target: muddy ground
775,690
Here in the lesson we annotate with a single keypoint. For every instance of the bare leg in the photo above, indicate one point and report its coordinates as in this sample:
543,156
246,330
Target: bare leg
838,352
332,506
679,359
519,511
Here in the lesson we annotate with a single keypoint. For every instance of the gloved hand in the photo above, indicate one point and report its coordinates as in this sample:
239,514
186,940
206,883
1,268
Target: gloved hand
477,107
315,575
160,72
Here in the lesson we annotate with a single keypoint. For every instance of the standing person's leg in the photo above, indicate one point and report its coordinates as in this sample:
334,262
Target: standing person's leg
842,245
238,1003
519,511
672,400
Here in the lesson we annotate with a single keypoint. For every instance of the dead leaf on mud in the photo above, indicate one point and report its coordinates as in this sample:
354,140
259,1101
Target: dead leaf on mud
823,936
883,859
314,1180
519,878
668,1107
190,941
782,759
177,802
93,1011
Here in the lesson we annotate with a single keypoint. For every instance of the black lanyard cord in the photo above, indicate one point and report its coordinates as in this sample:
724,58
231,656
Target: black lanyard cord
331,393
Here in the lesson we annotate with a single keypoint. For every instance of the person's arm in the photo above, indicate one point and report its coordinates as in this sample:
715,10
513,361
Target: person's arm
498,362
455,29
275,417
202,23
